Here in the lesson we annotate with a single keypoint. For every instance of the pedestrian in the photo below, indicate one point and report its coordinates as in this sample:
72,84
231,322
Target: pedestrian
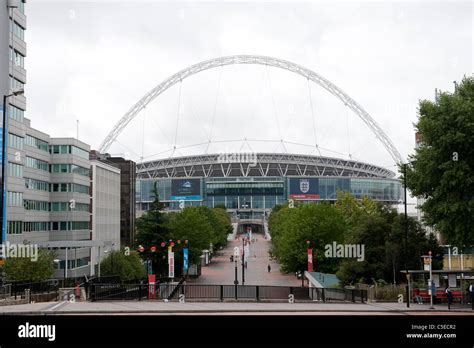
471,292
449,295
269,268
245,264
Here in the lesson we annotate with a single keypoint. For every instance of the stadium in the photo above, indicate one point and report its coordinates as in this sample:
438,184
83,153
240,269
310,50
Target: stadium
257,186
249,184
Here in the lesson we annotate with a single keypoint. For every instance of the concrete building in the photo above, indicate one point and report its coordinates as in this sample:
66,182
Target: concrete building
127,198
105,200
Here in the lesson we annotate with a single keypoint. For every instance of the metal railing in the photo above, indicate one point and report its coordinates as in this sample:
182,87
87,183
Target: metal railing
124,292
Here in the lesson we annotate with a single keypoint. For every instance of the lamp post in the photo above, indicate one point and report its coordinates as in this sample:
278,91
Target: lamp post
243,261
3,209
407,288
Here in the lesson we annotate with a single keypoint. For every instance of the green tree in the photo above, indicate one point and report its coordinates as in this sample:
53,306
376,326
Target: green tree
25,269
127,267
442,168
193,225
290,228
152,230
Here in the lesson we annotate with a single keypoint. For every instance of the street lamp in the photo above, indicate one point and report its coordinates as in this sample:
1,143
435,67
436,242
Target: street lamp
407,287
4,161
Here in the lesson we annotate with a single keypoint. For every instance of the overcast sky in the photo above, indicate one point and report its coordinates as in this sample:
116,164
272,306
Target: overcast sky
92,60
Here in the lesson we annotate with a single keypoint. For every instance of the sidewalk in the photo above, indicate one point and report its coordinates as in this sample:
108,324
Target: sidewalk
159,307
222,271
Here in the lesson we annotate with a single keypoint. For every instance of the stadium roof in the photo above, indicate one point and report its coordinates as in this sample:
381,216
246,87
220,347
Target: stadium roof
258,165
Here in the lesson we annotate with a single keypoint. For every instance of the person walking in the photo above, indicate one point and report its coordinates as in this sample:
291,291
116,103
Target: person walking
471,292
449,295
269,268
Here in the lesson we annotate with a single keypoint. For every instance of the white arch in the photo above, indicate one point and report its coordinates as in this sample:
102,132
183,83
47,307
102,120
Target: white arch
258,60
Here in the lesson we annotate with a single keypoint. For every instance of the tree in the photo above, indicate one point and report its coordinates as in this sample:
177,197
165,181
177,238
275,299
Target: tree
127,267
152,230
442,168
25,269
290,228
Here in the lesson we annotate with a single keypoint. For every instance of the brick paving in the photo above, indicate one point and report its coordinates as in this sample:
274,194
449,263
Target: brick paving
222,271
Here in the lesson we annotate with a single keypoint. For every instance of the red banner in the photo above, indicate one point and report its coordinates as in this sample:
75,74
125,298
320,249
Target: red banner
151,286
310,260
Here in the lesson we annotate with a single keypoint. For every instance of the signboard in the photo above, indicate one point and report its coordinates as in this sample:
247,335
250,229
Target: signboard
185,260
304,188
186,190
151,286
426,263
452,280
170,264
436,280
310,260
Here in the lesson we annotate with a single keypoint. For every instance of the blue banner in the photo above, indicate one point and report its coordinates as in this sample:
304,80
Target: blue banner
185,260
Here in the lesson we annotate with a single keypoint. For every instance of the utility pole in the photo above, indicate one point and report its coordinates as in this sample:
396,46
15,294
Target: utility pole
407,287
243,261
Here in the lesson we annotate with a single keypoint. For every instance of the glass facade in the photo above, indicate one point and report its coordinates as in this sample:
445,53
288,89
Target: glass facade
16,29
39,185
266,192
15,141
36,143
15,227
68,149
16,113
36,226
69,168
37,164
36,205
15,170
69,225
70,187
65,206
17,58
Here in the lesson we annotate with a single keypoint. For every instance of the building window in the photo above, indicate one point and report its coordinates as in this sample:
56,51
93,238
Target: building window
36,143
68,149
16,85
36,226
21,6
15,227
33,184
70,225
15,141
16,113
37,164
16,29
80,152
15,170
65,206
69,168
15,199
17,58
36,205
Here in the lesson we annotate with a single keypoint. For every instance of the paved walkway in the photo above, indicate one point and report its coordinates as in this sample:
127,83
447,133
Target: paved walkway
160,307
222,271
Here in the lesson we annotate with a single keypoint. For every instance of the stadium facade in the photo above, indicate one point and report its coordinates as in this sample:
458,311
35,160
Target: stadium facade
256,183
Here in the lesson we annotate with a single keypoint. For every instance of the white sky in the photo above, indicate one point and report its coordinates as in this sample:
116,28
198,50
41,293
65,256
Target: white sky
92,60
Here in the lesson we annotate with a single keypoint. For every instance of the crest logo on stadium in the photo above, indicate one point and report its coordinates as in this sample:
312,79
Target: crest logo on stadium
304,185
